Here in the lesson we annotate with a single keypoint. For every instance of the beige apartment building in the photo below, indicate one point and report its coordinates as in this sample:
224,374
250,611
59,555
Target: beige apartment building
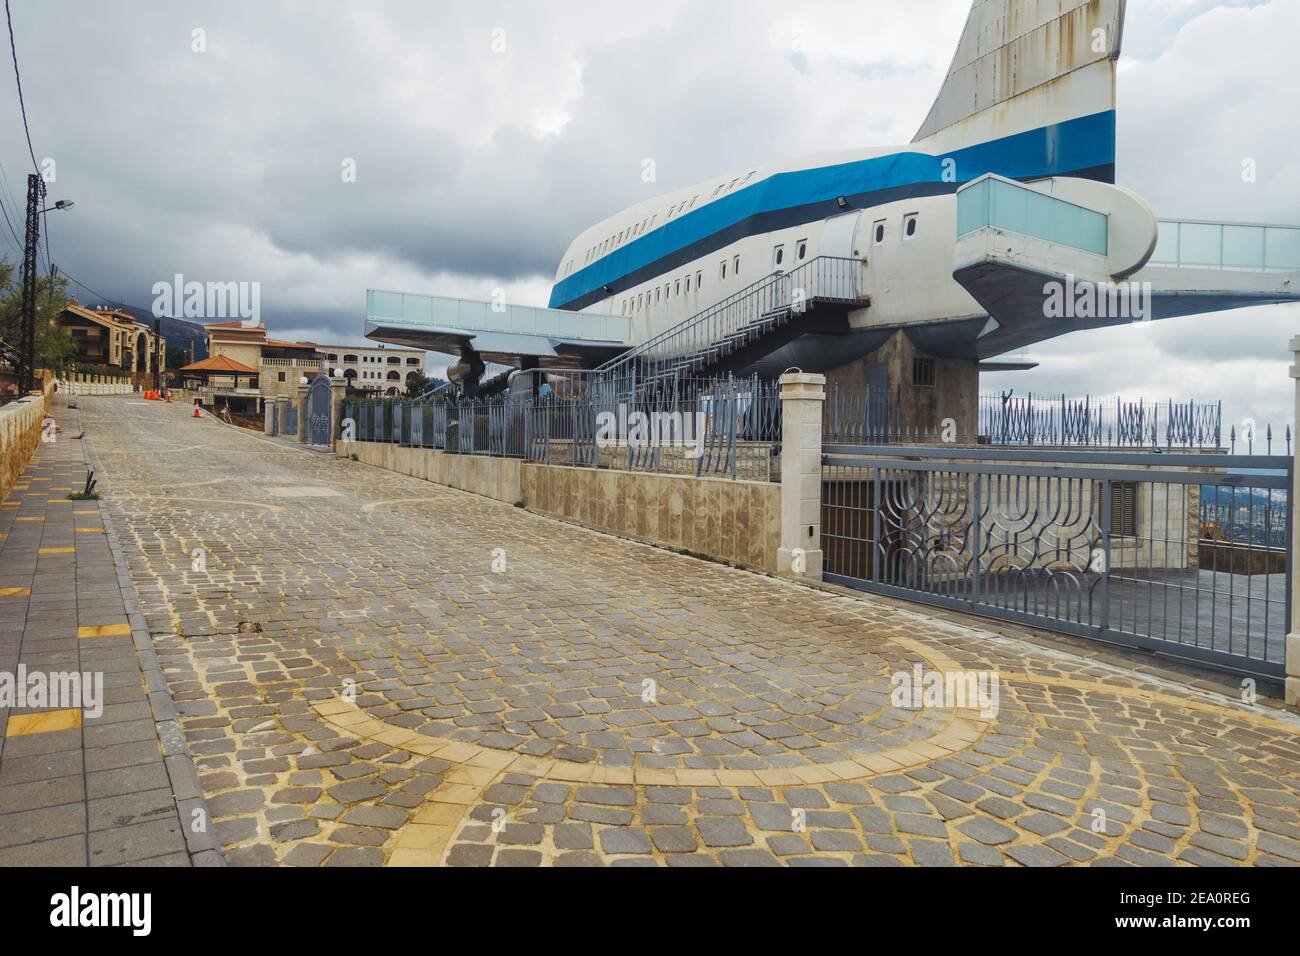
112,339
379,370
246,367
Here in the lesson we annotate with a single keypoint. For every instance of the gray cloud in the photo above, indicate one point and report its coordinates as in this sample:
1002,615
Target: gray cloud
476,168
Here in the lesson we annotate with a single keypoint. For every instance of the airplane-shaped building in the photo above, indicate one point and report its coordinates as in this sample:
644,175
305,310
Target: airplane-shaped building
909,268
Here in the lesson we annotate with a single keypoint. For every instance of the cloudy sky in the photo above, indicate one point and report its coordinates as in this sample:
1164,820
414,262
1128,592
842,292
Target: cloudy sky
486,135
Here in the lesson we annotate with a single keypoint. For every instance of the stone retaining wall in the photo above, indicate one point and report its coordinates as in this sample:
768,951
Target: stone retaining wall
497,478
734,521
20,433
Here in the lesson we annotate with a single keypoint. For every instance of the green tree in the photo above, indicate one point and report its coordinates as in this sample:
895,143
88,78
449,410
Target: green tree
418,383
55,349
177,357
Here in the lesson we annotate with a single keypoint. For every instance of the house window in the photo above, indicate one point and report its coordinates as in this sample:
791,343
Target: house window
923,372
723,273
677,290
699,281
282,376
909,226
803,249
778,256
735,266
1123,508
878,233
688,284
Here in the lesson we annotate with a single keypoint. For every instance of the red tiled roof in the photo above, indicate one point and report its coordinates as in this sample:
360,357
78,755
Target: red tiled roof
220,363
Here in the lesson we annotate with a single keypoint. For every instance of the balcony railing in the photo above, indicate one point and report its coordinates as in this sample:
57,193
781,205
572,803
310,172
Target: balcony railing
400,308
1227,245
293,363
690,347
1003,204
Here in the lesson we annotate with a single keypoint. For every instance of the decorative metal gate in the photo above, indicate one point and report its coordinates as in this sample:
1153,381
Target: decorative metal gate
320,411
1186,554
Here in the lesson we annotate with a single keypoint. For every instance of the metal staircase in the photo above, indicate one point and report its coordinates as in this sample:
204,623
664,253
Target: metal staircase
10,355
738,326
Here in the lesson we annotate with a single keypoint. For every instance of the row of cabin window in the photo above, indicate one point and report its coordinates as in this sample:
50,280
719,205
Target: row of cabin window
643,300
630,305
645,225
911,223
778,255
778,258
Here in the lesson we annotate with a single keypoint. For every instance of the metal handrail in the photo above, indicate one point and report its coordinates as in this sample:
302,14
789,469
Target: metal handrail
741,318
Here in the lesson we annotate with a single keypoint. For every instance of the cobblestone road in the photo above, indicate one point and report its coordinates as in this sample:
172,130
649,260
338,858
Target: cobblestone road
375,670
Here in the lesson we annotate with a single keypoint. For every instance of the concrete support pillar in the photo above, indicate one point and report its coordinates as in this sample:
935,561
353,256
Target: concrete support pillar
1293,567
802,398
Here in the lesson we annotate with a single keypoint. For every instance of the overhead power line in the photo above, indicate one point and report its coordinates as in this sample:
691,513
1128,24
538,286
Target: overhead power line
22,106
103,298
13,49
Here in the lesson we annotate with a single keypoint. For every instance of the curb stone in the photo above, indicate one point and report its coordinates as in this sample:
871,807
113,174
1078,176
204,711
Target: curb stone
203,848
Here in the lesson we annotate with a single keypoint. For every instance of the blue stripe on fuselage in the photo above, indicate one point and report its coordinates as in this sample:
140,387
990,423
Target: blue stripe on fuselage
1060,149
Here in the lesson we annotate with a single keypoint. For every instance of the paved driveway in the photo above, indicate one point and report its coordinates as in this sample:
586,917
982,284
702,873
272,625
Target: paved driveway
372,669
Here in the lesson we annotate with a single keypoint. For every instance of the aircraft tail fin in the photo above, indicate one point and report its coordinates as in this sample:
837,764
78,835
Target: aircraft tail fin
1026,64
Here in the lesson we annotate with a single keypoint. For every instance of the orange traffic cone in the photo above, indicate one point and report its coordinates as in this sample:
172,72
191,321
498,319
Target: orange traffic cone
196,410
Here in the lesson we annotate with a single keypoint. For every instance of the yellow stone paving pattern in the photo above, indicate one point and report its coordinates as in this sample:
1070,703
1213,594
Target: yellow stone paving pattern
359,686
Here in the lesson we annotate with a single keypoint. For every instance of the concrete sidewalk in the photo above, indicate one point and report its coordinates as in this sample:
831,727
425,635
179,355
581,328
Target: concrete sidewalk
78,786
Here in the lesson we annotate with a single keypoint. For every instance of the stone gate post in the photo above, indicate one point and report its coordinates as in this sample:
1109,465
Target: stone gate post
800,552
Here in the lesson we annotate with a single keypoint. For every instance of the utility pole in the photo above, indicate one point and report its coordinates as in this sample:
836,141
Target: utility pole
27,340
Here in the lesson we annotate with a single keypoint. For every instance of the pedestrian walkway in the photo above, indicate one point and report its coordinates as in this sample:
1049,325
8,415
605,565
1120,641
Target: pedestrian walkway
374,670
83,779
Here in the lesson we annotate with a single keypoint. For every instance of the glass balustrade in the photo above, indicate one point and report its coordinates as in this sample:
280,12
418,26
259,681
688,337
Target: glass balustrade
1227,245
401,308
1001,204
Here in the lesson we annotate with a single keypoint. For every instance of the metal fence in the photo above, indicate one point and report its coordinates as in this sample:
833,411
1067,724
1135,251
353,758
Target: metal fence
723,427
875,417
1183,553
728,427
470,428
1037,420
